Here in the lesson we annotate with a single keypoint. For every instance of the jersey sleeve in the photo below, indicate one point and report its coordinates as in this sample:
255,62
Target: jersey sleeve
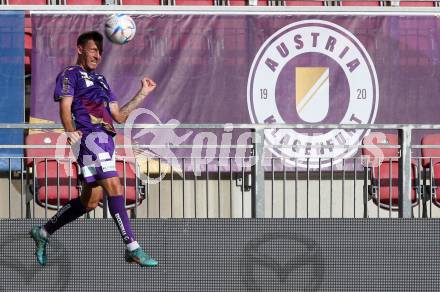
65,84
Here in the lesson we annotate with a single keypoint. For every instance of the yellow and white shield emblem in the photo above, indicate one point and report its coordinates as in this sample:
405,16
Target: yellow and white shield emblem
312,93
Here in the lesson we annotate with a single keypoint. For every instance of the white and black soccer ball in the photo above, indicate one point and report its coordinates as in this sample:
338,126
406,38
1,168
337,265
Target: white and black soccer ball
120,28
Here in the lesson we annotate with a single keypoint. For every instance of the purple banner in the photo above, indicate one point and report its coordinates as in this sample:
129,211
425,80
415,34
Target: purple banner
259,69
202,64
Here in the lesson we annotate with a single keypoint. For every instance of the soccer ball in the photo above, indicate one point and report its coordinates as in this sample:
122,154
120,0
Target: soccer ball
120,28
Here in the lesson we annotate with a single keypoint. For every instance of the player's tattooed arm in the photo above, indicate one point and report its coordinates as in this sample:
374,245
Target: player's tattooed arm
73,135
120,115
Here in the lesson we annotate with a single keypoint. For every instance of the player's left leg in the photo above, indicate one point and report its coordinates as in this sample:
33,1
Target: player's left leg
116,204
72,210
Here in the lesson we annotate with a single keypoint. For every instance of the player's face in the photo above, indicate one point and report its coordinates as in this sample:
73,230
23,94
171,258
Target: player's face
89,56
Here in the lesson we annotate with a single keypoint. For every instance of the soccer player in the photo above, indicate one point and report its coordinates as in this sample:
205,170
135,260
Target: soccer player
85,95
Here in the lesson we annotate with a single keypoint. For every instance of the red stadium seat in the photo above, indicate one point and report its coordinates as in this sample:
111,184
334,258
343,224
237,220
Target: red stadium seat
417,3
55,189
360,3
304,3
435,185
195,2
245,3
384,170
46,138
140,2
431,162
27,2
55,180
430,154
83,2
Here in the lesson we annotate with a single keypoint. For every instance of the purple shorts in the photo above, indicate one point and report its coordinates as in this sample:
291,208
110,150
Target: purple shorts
96,157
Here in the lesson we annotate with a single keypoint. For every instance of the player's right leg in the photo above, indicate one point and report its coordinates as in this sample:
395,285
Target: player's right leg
72,210
116,203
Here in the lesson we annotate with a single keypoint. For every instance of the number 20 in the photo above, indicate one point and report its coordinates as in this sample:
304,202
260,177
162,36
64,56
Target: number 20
361,93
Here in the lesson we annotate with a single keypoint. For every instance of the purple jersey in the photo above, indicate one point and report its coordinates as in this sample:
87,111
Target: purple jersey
91,97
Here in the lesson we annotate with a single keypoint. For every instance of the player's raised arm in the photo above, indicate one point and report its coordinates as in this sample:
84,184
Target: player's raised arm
120,115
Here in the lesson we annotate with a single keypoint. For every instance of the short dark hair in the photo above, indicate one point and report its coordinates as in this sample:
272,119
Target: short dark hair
90,35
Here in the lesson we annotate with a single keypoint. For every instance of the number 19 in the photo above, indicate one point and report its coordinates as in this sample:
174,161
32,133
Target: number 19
263,93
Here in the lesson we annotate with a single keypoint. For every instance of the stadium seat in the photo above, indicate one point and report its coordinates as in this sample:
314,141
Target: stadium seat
84,2
304,3
140,2
61,186
27,2
431,162
360,3
245,3
39,160
429,154
383,169
417,3
195,2
435,185
55,180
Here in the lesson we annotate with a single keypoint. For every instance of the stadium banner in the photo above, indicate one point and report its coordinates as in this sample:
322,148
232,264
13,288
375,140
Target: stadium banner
361,69
11,85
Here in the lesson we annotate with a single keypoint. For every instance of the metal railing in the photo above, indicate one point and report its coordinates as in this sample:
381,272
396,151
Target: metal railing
255,2
230,186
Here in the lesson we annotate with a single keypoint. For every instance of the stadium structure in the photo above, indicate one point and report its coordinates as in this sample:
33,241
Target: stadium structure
289,146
